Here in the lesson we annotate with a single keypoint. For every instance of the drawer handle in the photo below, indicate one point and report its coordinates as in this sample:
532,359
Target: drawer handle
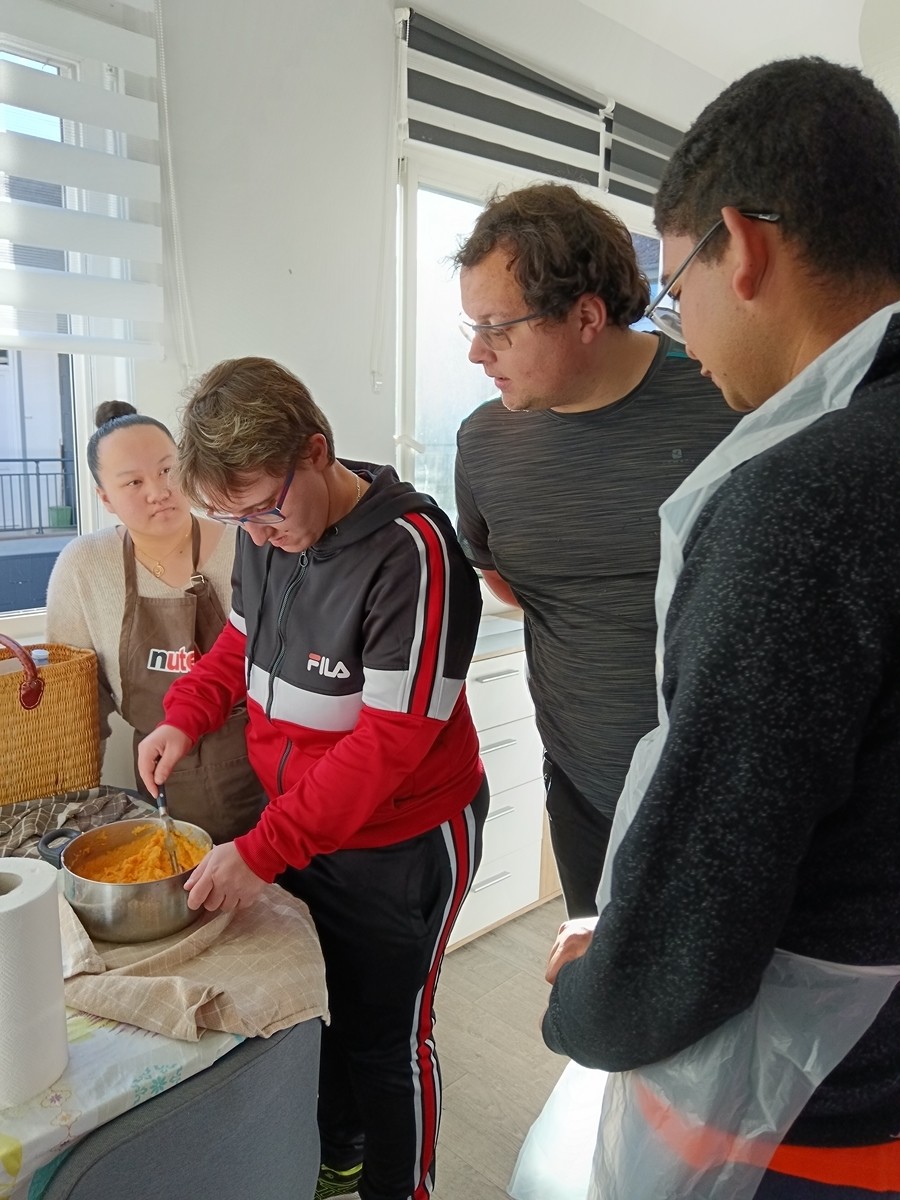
497,675
501,812
479,887
501,745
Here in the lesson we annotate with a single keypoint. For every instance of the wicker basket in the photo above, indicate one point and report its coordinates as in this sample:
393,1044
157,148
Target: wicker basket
50,722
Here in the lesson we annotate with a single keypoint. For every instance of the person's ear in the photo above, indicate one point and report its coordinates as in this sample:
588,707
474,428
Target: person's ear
104,500
317,451
749,252
590,313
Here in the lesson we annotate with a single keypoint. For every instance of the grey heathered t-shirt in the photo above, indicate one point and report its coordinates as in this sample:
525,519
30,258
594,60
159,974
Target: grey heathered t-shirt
564,506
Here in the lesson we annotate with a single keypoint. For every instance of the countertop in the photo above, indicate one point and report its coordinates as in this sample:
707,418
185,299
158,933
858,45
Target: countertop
500,633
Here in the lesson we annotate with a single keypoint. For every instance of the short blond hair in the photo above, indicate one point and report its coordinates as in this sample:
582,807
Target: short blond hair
245,417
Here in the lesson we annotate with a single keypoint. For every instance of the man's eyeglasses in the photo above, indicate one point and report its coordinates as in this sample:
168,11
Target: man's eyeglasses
495,337
265,516
668,319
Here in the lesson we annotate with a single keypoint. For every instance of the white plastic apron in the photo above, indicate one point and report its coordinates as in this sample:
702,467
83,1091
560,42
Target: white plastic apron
748,1080
705,1122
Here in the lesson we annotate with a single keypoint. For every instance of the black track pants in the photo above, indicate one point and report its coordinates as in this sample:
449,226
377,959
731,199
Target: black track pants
579,833
384,917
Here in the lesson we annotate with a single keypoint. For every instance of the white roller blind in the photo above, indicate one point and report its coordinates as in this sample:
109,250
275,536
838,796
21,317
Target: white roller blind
461,95
641,148
80,206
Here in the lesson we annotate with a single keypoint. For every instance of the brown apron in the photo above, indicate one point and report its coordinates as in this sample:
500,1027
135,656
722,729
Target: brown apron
213,786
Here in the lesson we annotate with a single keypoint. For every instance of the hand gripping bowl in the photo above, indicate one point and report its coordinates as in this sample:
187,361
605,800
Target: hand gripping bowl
121,912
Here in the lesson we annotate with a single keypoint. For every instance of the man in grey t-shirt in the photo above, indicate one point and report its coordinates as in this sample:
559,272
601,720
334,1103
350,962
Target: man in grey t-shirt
559,481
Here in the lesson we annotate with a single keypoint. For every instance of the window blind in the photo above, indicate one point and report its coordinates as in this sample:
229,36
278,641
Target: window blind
460,95
641,147
80,200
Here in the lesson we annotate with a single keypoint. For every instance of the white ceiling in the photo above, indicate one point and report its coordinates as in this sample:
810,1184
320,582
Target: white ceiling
727,38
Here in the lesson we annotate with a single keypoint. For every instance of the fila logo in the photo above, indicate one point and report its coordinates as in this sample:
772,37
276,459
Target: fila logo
316,662
176,662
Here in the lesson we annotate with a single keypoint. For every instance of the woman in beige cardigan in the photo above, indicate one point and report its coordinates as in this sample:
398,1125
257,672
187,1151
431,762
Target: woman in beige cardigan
148,596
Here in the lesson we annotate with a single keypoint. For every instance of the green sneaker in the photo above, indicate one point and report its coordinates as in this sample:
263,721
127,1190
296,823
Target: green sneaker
337,1183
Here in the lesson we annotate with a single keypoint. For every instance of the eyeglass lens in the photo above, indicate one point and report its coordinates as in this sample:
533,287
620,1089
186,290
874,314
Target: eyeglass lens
494,339
669,321
271,517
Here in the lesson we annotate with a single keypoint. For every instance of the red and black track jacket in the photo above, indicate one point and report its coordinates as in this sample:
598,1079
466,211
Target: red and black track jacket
352,657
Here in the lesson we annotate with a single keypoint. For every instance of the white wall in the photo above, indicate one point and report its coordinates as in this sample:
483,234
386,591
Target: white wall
281,115
282,137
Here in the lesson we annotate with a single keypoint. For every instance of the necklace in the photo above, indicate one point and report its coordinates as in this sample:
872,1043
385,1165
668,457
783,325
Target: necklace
336,528
159,567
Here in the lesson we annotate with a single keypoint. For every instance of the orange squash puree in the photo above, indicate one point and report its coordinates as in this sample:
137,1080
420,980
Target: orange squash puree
140,861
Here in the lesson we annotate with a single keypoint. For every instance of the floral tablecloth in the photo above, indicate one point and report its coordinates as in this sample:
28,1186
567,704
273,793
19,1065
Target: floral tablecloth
112,1067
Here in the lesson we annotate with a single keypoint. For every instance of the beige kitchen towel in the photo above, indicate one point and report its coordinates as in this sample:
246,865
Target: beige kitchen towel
249,972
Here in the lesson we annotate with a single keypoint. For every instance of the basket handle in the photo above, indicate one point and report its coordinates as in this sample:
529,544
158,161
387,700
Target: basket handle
31,689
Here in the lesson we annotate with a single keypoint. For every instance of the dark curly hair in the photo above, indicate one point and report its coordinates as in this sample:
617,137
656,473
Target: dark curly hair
561,246
817,143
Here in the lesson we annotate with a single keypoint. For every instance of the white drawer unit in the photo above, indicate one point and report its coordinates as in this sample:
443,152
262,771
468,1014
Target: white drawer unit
511,753
516,819
500,890
508,879
498,690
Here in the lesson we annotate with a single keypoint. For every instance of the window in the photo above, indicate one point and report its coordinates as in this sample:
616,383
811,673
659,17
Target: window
648,249
80,264
38,497
439,386
447,386
471,120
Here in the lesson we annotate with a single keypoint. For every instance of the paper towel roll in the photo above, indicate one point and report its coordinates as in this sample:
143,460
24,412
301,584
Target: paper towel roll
33,1046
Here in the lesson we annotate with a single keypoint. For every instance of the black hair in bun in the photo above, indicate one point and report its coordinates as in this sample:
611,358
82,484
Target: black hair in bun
110,410
110,416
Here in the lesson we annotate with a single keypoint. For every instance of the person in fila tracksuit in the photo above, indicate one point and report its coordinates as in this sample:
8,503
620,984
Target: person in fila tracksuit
353,624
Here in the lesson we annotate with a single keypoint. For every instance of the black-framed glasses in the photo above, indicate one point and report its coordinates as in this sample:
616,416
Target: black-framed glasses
668,319
265,516
495,337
